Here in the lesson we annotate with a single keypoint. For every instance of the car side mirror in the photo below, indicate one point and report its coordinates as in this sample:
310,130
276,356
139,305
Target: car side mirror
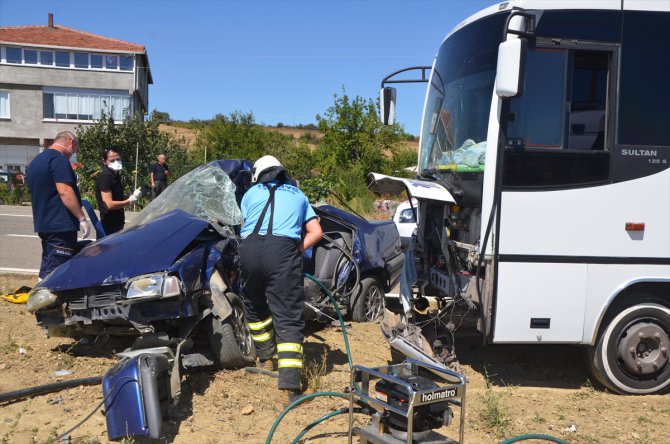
387,105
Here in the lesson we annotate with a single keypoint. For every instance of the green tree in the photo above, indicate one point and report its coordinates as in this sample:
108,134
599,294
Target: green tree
353,136
134,134
355,143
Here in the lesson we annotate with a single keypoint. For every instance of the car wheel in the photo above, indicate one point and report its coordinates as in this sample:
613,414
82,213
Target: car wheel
230,338
632,355
369,303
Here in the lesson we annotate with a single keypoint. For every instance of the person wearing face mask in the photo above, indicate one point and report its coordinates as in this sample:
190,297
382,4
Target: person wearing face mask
109,192
56,202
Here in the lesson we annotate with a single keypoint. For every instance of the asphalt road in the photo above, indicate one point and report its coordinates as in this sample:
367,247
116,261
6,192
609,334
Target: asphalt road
20,247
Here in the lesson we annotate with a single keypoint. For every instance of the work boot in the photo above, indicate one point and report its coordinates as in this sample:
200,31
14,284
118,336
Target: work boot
266,364
295,394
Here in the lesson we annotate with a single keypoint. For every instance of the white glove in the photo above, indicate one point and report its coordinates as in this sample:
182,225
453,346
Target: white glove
136,195
85,227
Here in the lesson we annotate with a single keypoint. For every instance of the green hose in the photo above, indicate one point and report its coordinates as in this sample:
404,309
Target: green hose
339,316
296,403
534,436
316,422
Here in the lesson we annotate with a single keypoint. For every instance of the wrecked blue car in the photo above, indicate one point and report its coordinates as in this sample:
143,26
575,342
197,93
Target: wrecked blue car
171,276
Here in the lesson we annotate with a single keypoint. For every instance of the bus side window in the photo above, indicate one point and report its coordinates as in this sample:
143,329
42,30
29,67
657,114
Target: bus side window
556,131
588,100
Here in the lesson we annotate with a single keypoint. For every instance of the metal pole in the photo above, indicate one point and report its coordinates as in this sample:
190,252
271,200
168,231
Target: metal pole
137,155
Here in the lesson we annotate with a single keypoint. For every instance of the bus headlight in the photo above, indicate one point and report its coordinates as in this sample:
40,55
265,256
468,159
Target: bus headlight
40,297
152,286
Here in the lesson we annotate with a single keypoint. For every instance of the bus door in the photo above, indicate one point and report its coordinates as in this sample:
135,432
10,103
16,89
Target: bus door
555,163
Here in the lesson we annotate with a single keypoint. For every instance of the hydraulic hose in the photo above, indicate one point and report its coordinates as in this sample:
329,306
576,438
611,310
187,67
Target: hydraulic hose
339,316
316,422
534,436
296,403
48,388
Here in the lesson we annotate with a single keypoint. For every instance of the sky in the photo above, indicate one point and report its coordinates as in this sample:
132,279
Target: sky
283,61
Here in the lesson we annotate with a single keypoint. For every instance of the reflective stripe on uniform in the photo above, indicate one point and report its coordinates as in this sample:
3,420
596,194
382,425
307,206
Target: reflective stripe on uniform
292,363
260,324
289,347
262,337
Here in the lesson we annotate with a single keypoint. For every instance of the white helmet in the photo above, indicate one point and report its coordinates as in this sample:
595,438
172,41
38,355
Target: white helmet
265,164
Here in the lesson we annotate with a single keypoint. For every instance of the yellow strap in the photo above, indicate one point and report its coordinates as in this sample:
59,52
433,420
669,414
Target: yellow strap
16,298
260,324
293,363
262,337
289,347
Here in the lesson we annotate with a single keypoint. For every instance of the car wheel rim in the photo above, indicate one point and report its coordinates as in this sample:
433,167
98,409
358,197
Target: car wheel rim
643,349
374,303
242,332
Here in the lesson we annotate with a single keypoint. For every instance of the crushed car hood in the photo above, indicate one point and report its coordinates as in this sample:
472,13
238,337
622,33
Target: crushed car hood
141,249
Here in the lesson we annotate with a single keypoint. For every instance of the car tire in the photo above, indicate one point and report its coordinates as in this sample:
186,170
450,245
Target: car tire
631,355
369,303
230,338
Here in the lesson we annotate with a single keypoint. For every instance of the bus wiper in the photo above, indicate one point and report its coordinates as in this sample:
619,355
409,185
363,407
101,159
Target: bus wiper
437,176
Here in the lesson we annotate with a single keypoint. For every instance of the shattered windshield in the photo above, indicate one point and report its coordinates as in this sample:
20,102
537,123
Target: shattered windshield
207,192
455,121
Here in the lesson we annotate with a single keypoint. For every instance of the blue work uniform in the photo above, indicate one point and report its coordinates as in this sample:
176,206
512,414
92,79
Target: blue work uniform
52,221
271,264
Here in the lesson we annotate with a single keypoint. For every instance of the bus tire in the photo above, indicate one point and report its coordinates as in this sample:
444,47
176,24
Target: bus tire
632,355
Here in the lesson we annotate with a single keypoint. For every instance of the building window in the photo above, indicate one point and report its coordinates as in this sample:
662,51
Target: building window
4,105
66,59
74,104
96,61
63,59
80,60
46,58
111,62
30,56
126,63
13,55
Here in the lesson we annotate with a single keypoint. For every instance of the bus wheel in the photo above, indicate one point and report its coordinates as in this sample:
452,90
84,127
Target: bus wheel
632,355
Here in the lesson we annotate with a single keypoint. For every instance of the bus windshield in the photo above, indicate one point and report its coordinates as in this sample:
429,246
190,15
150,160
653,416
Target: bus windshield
456,116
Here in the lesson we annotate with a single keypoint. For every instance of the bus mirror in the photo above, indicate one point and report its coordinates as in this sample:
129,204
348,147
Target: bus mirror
511,66
387,105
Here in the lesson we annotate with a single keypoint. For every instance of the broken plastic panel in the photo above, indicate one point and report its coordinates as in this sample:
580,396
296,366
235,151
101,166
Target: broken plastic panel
206,192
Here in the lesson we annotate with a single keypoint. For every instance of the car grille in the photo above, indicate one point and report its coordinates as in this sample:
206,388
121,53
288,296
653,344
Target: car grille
92,297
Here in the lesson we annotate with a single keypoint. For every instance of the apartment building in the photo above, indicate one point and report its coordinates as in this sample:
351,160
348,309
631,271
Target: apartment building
53,78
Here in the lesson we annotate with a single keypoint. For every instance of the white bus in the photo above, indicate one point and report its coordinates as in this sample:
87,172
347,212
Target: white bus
548,125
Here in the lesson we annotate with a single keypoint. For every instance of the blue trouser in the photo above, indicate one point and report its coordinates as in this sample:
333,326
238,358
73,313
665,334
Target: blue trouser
275,301
57,248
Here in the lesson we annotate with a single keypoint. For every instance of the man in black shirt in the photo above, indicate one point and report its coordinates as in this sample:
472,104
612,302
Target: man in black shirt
159,175
109,192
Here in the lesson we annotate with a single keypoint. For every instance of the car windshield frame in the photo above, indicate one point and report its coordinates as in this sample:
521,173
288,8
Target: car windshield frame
458,102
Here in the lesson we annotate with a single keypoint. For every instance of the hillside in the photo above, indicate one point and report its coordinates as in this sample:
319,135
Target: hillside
308,135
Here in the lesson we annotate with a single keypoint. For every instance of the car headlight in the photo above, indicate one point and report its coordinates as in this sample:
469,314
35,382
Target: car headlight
152,286
40,297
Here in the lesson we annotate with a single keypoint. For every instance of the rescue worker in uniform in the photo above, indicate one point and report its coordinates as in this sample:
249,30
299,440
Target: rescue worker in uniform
275,215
